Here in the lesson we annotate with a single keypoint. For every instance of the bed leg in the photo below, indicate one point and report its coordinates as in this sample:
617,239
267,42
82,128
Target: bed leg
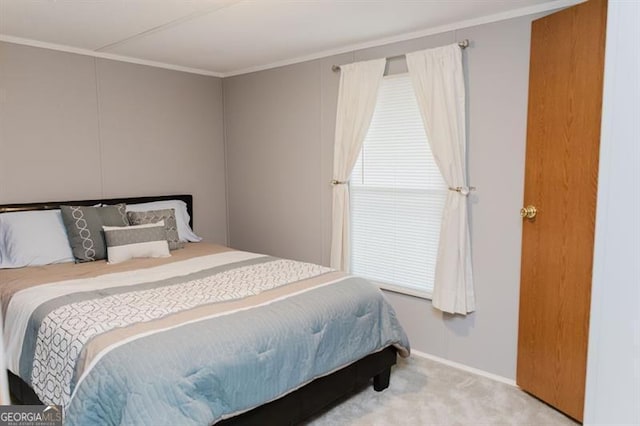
381,381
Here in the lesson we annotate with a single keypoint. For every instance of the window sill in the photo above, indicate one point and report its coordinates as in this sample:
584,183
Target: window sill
403,290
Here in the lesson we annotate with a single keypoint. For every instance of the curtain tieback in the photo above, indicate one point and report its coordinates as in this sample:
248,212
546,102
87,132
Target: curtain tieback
339,182
463,190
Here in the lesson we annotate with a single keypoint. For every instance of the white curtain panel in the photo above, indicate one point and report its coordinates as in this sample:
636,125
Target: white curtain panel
438,81
359,84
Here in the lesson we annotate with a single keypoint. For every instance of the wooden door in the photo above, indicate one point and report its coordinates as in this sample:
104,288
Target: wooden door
563,136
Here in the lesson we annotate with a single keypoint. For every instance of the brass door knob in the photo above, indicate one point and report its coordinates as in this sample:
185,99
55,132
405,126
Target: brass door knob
528,212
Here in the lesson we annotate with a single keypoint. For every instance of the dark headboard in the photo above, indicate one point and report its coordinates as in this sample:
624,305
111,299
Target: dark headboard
50,205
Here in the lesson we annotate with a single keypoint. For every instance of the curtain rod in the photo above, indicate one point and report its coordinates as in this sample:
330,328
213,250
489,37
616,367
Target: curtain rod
463,45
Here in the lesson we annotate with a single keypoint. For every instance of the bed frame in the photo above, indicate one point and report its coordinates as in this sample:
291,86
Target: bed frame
51,205
290,409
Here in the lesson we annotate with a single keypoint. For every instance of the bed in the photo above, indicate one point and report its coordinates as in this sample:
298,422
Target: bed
208,335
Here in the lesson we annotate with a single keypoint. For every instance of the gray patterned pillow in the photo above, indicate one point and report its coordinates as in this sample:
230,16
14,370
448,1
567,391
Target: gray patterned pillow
84,229
154,216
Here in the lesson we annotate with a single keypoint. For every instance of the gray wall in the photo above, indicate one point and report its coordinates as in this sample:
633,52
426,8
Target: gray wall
75,127
613,368
279,128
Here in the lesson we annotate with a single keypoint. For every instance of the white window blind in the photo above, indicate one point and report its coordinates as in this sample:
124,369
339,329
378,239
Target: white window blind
397,195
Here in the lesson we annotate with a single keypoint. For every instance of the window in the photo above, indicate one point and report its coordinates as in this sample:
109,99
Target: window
397,196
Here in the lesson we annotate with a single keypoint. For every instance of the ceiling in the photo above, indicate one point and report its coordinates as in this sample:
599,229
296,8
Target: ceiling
228,37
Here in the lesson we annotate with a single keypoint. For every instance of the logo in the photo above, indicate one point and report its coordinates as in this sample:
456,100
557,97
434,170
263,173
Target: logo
30,415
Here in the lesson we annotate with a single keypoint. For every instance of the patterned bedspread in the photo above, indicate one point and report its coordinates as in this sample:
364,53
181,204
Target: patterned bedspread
191,341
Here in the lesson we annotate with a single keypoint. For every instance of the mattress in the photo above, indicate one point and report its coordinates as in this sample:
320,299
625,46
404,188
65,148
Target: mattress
192,339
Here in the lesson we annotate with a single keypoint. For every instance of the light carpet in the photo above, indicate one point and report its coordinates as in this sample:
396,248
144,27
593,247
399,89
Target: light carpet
425,392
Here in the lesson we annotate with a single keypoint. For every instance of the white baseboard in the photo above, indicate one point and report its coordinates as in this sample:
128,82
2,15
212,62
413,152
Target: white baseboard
463,367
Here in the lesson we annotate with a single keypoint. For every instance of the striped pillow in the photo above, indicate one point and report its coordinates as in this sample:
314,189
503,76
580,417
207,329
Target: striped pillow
129,242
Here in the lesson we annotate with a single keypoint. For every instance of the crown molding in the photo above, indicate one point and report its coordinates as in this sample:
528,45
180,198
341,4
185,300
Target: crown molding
515,13
105,55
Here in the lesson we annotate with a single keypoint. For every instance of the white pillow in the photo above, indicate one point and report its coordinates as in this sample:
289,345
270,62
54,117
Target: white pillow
185,233
129,242
33,238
